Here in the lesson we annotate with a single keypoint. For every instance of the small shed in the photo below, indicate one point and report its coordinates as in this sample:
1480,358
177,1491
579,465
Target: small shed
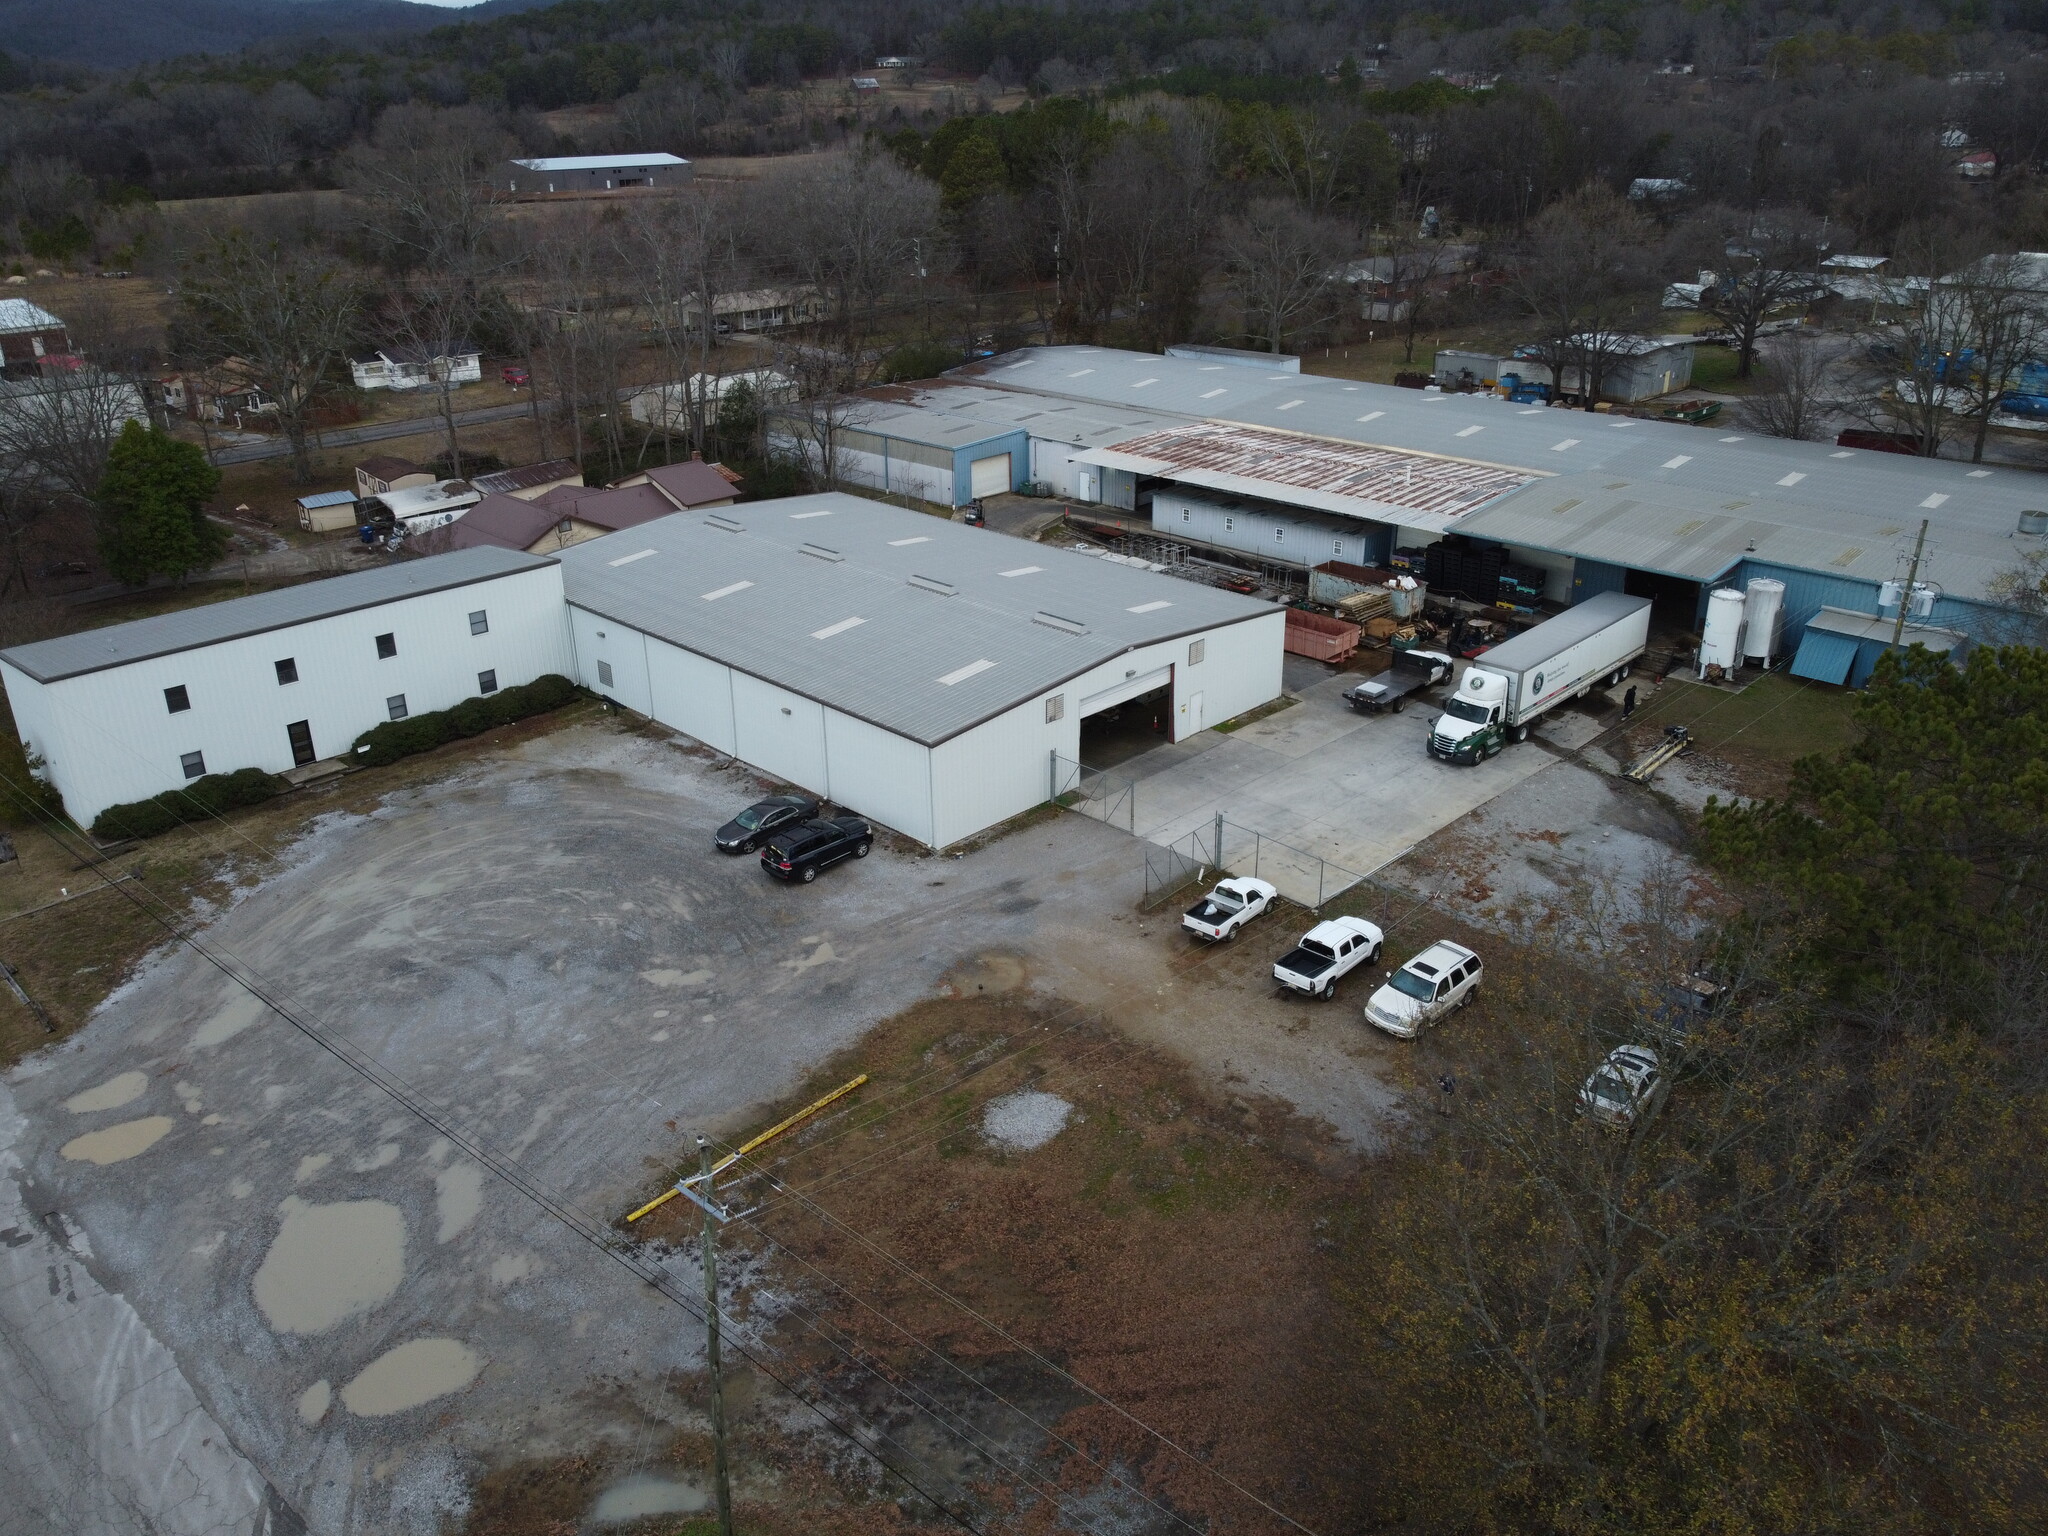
328,512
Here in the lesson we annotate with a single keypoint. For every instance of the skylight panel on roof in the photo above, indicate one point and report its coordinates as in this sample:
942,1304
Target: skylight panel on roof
738,586
1794,478
922,538
1469,431
961,674
1023,570
798,517
1212,394
1290,405
1979,474
629,559
1730,439
1935,500
836,629
1678,461
1570,442
1082,374
1152,607
1143,382
1372,415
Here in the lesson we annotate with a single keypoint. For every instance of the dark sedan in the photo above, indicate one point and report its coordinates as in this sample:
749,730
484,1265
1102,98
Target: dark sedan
801,852
753,826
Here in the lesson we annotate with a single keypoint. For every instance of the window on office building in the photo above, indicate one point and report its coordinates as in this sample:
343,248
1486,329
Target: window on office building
177,700
395,706
480,622
287,671
387,647
194,764
487,682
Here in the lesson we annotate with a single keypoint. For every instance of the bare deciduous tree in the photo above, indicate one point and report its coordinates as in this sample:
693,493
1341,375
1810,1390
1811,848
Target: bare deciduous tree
1798,372
1279,261
286,316
1582,278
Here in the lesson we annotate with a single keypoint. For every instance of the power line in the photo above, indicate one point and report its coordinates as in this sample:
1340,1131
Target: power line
366,1067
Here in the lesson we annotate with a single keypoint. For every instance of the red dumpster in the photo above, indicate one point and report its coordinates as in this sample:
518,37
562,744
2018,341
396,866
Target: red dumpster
1325,639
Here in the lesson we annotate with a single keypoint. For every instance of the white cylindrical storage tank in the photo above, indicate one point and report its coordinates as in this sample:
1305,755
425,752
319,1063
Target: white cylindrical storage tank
1762,611
1723,635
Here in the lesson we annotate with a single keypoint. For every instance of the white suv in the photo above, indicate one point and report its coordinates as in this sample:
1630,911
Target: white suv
1444,976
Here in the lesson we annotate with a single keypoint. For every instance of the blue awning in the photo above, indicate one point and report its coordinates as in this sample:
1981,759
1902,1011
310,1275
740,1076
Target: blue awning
1824,657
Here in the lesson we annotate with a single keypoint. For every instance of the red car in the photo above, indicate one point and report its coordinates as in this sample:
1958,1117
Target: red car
515,376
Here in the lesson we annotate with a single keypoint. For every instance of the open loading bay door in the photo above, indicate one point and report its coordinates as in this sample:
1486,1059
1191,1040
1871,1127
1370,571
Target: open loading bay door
1120,723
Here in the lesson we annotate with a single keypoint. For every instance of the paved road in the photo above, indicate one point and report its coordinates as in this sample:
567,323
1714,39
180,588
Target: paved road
278,448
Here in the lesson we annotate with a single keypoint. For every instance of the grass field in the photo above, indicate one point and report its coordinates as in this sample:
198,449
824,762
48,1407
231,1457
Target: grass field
1761,731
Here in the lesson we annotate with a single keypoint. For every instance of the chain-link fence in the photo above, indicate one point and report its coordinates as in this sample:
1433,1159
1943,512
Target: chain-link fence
1106,796
1303,877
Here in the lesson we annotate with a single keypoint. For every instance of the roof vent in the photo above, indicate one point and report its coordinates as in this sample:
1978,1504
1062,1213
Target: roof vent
1054,621
933,584
2034,522
726,523
819,552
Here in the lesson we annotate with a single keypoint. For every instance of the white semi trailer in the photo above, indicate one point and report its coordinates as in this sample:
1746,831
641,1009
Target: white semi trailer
1589,646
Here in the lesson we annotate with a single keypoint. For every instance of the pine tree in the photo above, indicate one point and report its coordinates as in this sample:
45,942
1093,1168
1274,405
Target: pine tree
152,507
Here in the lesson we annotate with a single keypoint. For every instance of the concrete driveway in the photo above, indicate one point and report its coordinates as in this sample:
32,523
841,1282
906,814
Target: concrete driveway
1355,790
266,1274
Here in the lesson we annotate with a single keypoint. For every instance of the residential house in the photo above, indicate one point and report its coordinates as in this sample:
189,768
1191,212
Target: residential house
668,405
762,309
1387,286
571,174
529,481
691,484
417,367
385,473
225,393
563,516
28,334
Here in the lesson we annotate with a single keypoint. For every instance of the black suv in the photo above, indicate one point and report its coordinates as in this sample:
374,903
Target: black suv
801,852
751,828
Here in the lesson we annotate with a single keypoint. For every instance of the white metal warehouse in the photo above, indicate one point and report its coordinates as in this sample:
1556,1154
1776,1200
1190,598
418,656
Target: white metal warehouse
126,712
920,672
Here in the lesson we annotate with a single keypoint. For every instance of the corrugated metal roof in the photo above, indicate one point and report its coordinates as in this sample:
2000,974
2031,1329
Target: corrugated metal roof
854,633
1841,494
1700,535
47,661
26,315
599,162
327,499
1416,490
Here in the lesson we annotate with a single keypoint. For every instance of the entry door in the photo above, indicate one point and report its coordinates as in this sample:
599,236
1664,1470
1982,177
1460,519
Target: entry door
1084,485
1191,718
989,477
301,733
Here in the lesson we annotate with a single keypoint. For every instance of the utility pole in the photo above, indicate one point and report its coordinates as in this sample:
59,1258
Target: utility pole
699,1189
719,1473
1912,580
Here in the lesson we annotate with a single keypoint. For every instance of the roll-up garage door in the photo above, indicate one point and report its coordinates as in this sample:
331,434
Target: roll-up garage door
1129,688
989,477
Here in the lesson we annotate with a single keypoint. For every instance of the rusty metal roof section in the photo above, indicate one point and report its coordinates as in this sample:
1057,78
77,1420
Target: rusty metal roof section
1414,489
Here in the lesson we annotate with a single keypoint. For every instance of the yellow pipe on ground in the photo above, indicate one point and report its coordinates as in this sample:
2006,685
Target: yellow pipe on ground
766,1136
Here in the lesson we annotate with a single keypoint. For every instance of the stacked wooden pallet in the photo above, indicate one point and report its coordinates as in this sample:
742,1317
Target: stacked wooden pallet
1361,607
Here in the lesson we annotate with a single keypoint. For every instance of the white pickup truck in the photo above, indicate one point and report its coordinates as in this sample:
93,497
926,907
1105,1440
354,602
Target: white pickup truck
1235,902
1326,952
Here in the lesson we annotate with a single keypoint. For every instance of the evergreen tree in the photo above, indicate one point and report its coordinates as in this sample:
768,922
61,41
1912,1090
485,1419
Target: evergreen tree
152,507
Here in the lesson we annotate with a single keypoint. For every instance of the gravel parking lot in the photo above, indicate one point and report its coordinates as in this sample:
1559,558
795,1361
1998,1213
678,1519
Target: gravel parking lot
546,947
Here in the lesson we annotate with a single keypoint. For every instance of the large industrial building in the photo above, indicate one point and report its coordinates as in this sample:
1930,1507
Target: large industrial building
282,678
921,672
1235,452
